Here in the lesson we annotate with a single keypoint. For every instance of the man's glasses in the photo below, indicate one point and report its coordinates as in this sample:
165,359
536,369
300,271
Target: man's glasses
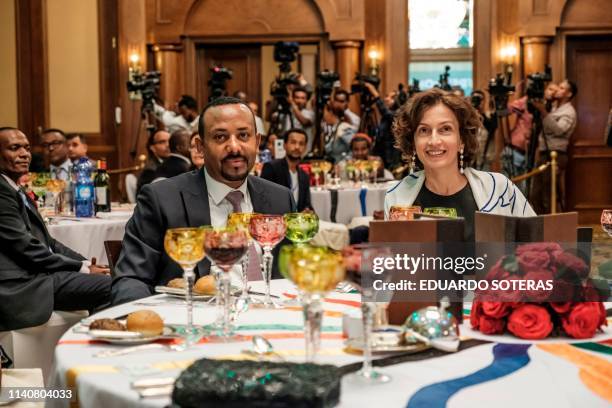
52,145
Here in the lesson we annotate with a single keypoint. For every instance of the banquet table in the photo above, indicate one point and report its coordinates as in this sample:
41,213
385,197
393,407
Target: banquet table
489,374
87,235
343,204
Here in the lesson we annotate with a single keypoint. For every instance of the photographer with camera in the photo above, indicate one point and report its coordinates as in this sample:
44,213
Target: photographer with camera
486,132
557,128
337,130
299,116
186,118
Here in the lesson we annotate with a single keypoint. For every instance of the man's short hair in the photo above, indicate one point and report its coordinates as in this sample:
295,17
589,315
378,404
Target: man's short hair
341,92
189,102
286,134
361,137
478,91
299,89
7,128
81,137
52,130
573,88
224,100
178,138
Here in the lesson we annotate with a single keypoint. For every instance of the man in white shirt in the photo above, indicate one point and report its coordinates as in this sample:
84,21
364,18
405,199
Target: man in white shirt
300,117
230,143
38,273
55,150
186,118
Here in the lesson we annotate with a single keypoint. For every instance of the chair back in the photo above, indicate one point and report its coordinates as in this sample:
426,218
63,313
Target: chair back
113,250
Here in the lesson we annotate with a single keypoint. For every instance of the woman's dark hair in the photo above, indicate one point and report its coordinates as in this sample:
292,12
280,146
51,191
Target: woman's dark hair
409,116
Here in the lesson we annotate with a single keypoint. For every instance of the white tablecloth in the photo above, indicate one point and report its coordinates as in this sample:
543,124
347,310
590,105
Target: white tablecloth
349,202
547,380
87,235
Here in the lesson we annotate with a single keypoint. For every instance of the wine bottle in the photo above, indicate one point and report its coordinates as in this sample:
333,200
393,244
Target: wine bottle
102,185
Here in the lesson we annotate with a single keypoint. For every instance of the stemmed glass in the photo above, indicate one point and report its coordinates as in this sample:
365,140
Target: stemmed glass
350,170
225,247
55,188
185,246
301,226
606,221
376,164
403,212
315,271
442,211
358,262
325,168
315,168
267,231
241,221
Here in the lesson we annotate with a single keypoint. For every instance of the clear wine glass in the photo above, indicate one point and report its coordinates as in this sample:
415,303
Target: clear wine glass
225,247
185,246
358,262
267,231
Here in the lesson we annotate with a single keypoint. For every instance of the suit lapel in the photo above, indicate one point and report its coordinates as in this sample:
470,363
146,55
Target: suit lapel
258,197
285,168
195,199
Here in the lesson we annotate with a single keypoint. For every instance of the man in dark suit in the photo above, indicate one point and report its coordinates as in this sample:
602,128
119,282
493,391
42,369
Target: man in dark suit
178,162
37,273
286,171
158,149
204,197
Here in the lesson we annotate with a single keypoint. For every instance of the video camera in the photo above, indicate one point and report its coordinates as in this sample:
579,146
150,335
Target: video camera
146,84
443,81
325,87
358,87
284,53
217,83
500,89
536,83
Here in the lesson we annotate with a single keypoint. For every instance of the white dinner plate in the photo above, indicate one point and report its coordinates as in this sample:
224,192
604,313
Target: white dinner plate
131,339
180,293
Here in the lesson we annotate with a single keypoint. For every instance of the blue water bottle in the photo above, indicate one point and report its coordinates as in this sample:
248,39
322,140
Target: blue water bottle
84,198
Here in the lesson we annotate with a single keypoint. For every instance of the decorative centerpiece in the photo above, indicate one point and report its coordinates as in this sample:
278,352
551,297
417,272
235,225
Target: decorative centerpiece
560,299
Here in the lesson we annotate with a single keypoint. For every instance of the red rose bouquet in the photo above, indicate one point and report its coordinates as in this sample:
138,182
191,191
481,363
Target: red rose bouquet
539,291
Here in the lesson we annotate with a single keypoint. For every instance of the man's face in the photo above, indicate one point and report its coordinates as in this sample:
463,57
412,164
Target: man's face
161,145
551,91
360,150
564,91
54,148
188,114
339,104
295,146
230,143
300,99
76,148
389,99
15,153
271,144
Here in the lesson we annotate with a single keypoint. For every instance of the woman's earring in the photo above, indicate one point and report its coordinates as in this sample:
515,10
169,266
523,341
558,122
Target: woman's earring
461,161
412,163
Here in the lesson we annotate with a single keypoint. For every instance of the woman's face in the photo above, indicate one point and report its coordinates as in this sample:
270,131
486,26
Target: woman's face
437,139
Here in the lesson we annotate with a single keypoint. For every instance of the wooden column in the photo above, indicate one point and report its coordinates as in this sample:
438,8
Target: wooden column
347,65
169,61
535,54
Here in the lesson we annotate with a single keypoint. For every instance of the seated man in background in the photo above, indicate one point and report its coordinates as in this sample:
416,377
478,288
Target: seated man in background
286,171
360,146
197,157
37,273
158,149
77,146
55,151
186,116
178,162
230,143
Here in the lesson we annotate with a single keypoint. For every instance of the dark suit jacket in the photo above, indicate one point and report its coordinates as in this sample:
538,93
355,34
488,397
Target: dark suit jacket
181,201
28,257
277,171
147,175
172,166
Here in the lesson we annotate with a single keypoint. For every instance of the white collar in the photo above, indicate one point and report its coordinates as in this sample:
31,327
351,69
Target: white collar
65,165
11,182
218,191
180,156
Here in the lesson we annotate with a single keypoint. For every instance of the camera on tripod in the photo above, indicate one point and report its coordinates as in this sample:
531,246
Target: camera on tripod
500,89
217,83
536,83
358,87
284,53
443,81
146,85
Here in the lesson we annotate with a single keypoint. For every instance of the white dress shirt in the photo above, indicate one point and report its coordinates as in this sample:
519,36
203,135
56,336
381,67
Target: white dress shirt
220,207
61,172
174,122
85,264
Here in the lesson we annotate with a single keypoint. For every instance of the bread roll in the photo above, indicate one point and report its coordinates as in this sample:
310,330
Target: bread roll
106,324
178,283
146,322
205,285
